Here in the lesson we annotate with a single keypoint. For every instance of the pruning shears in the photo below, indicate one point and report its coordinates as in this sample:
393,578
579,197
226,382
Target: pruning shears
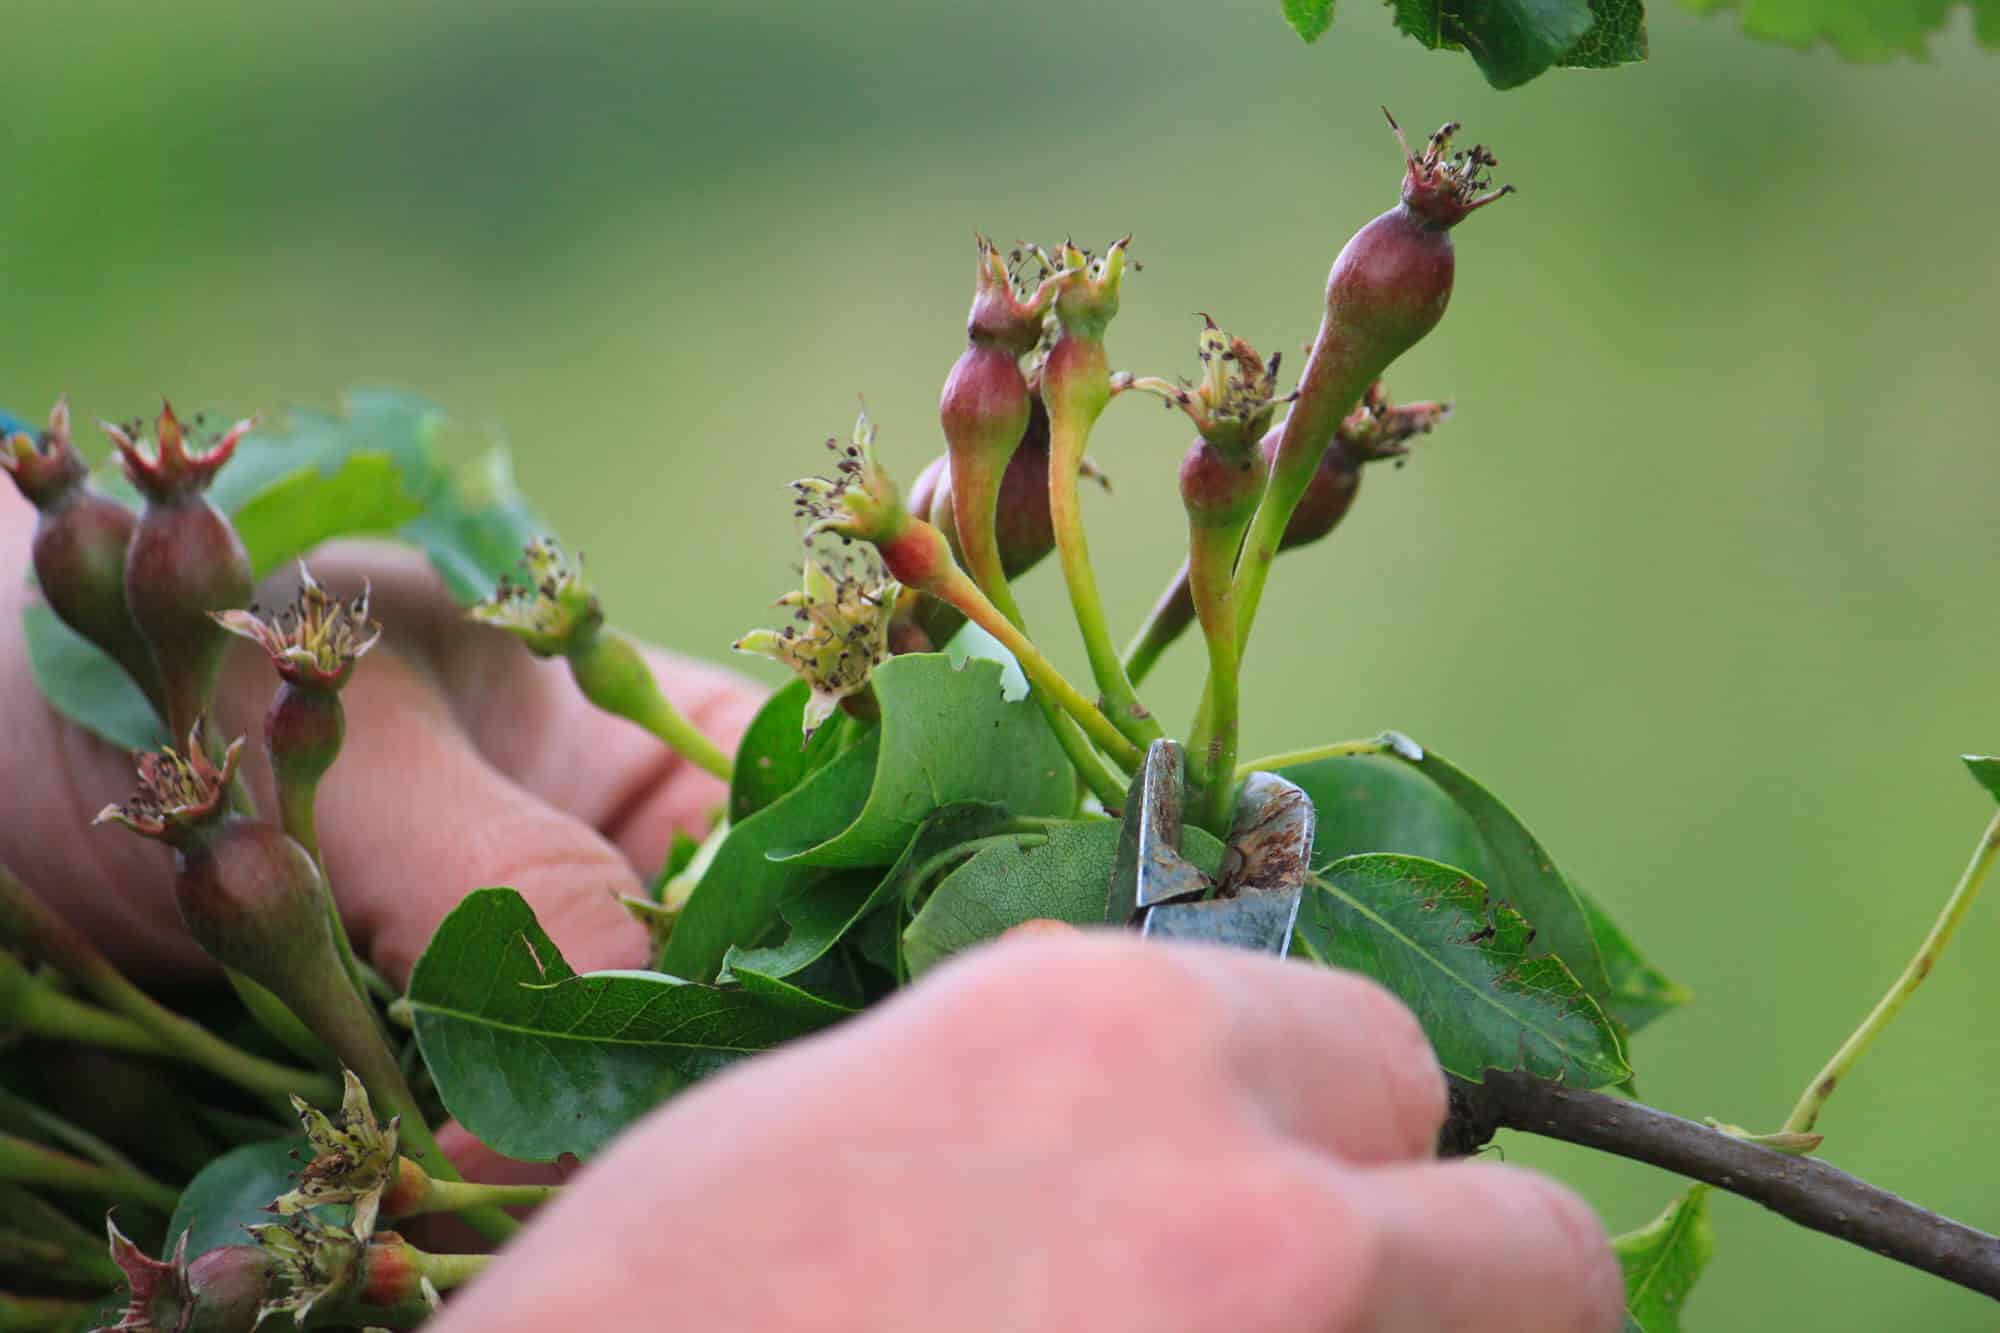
1255,902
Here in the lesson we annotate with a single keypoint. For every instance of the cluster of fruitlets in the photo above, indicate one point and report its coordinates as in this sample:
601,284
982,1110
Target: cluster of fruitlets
1017,411
162,589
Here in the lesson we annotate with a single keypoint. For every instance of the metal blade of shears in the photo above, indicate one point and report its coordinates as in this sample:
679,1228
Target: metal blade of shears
1150,869
1256,905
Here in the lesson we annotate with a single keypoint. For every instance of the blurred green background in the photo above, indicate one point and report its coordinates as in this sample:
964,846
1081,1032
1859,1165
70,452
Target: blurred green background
1700,577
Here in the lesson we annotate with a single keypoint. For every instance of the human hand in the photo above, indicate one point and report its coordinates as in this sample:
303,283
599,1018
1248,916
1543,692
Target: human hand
1094,1132
467,763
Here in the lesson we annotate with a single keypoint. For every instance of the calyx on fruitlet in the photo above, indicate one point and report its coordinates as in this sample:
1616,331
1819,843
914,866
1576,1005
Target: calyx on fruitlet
354,1160
184,562
862,501
839,630
553,610
1236,396
78,551
315,641
181,794
221,1291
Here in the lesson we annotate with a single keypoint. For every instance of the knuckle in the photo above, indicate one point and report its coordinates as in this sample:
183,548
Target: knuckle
1077,1008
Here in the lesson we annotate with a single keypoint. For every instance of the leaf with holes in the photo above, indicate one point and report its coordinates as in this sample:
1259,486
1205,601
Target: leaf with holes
1428,807
1459,958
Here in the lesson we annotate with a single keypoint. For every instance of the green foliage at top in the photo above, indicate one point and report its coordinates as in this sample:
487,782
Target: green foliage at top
1860,30
1513,41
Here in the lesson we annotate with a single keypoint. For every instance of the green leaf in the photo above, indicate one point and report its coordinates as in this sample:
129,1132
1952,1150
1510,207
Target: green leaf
84,685
538,1061
1060,875
1309,18
1663,1259
680,854
292,516
1383,803
773,757
474,530
401,426
815,1009
949,736
818,913
737,900
821,914
1428,807
1985,771
973,642
1617,36
1510,40
1865,31
233,1191
1458,957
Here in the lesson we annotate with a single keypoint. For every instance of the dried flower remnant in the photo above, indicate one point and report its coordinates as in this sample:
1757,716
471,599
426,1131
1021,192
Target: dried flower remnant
315,641
553,610
557,614
180,793
1232,404
860,500
354,1159
839,629
311,1262
1442,186
45,466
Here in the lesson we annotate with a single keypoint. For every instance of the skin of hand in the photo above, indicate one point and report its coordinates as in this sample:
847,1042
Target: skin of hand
1059,1133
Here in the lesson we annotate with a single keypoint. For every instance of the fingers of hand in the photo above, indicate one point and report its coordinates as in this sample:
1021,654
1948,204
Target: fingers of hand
1324,1057
1476,1245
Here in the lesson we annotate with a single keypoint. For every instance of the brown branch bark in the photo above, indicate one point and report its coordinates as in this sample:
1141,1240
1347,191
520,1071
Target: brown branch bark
1809,1192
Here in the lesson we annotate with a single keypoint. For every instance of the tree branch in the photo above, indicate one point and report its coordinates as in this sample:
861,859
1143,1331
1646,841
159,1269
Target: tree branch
1807,1191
